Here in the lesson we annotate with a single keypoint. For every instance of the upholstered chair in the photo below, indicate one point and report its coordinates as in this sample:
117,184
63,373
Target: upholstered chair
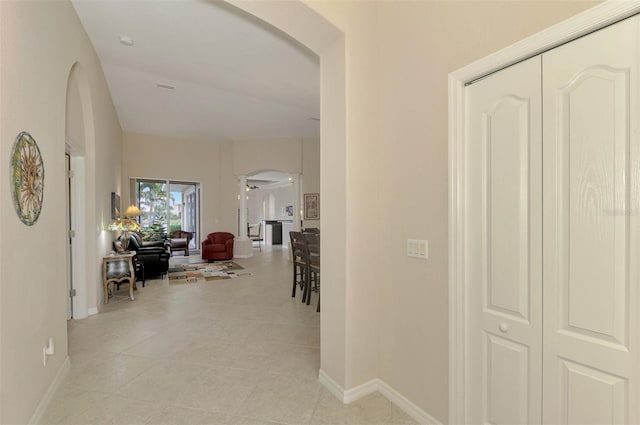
218,246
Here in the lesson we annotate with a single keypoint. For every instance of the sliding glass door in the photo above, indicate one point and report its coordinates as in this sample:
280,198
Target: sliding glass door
152,198
168,206
184,214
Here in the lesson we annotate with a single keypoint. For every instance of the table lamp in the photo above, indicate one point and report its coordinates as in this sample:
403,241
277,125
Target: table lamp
127,224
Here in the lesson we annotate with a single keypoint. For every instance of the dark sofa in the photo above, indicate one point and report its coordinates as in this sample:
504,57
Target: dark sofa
154,255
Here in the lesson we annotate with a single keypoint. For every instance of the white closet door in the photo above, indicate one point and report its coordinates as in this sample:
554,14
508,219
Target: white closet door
591,189
503,260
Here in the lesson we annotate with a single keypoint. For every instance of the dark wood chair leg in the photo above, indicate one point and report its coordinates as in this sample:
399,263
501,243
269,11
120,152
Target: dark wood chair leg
295,283
307,290
313,281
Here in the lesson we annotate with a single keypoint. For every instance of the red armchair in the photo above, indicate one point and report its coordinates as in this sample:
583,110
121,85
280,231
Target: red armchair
218,246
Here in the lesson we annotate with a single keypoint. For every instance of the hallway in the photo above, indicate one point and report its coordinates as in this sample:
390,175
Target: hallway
237,351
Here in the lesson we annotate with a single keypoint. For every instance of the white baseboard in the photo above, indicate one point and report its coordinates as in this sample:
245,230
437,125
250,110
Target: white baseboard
356,393
332,386
363,390
36,418
242,256
92,311
406,405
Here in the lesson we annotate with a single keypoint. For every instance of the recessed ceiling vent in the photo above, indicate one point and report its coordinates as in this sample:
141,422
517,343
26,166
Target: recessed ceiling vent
165,86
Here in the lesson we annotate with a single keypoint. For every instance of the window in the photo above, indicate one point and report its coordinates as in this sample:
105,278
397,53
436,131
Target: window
168,206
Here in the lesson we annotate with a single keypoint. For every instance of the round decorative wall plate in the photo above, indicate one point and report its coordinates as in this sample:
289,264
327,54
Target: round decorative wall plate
27,178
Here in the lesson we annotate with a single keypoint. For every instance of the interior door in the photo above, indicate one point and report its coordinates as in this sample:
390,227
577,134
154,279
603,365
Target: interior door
591,257
503,248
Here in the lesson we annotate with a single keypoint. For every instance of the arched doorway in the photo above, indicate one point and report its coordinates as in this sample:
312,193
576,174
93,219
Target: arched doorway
78,131
272,199
311,29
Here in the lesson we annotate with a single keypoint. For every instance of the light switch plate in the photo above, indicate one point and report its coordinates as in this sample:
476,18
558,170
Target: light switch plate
418,248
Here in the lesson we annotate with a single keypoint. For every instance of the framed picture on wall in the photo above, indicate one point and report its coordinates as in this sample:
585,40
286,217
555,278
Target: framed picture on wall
115,206
312,206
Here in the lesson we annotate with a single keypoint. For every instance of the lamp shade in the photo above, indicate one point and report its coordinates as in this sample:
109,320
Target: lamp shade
132,211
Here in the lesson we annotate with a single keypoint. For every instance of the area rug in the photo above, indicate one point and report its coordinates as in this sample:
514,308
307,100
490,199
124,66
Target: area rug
205,272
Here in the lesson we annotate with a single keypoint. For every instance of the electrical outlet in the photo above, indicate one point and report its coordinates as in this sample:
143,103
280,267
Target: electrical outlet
418,248
48,350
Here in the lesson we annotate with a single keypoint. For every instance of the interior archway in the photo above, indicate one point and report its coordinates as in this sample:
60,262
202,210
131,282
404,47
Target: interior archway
263,185
79,145
311,29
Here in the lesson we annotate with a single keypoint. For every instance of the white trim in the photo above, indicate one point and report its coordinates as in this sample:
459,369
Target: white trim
51,391
79,260
242,256
332,386
363,390
406,405
372,386
92,311
456,251
588,21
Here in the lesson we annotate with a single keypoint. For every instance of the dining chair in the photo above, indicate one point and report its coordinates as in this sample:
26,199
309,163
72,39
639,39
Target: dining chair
255,237
312,243
299,261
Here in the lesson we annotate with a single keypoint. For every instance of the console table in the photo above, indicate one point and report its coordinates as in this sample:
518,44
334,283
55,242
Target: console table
117,268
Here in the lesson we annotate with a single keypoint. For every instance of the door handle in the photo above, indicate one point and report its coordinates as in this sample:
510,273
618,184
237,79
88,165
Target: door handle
503,327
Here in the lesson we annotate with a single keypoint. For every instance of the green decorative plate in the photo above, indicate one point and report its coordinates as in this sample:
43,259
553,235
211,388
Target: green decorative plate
27,178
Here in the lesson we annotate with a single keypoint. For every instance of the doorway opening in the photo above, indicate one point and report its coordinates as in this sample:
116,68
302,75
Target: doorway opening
270,206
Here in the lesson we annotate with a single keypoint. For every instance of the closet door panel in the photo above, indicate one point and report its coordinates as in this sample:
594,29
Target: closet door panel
506,147
590,91
504,283
590,396
594,108
507,401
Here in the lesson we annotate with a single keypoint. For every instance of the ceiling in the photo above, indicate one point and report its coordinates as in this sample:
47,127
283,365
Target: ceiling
235,77
268,179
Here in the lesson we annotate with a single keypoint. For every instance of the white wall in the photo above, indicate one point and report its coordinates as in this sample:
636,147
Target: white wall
387,313
148,156
282,197
352,315
413,178
259,155
41,41
304,153
311,175
391,320
216,167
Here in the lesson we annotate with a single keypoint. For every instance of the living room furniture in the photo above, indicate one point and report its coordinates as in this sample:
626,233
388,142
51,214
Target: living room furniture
255,234
179,241
218,246
139,268
299,261
153,254
117,268
312,279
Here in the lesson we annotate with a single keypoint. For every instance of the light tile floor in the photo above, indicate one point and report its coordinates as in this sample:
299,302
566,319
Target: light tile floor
238,351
